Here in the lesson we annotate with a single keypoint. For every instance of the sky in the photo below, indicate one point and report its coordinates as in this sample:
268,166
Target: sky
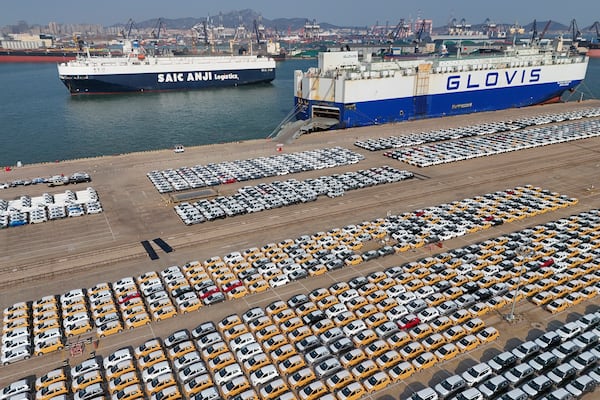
336,12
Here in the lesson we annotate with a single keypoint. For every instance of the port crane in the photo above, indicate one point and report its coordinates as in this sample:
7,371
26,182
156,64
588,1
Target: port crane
126,31
417,39
259,31
157,28
535,39
597,27
401,30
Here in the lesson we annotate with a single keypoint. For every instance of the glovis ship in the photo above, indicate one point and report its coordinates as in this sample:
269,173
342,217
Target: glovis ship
343,92
137,71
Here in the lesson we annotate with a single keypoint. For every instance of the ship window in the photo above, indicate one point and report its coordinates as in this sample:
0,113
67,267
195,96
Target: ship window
401,113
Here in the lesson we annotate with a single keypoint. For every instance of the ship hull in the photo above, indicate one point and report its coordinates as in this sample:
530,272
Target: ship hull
373,94
409,108
32,58
593,52
152,82
97,75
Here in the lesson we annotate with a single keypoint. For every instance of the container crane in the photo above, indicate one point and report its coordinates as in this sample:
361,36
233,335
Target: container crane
597,27
401,27
157,28
417,39
126,31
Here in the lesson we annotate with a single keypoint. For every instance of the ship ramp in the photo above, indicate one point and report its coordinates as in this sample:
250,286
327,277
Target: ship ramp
290,131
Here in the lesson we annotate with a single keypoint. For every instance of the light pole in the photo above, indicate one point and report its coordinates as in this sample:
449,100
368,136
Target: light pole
525,253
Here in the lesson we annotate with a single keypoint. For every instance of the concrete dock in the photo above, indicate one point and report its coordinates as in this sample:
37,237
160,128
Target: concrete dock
54,257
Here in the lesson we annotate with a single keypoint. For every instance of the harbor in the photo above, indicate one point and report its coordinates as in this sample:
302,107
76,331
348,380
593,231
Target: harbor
58,256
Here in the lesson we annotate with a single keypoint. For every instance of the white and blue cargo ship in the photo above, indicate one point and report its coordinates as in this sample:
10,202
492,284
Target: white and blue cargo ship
344,92
137,71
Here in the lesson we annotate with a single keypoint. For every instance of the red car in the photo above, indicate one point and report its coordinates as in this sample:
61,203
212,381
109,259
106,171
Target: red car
129,297
228,287
408,322
547,262
210,290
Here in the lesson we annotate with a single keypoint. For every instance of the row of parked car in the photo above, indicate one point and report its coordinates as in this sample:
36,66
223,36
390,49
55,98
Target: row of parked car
561,364
416,139
34,210
154,296
257,168
492,144
266,196
77,177
305,348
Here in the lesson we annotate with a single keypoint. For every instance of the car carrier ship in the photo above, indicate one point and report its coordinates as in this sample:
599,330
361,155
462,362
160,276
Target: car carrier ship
343,92
137,71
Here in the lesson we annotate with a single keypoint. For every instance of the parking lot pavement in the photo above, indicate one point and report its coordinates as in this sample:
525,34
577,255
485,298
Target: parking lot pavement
73,247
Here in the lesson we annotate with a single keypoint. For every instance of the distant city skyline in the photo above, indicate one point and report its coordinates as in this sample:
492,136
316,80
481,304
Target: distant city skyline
336,12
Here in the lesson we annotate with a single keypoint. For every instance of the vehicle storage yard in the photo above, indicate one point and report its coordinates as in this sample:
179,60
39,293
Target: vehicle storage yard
411,241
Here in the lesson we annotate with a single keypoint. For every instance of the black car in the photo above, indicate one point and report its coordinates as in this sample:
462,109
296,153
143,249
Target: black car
370,255
313,317
79,177
358,282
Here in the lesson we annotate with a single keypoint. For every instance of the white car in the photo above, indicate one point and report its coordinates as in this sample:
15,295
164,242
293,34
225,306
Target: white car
16,354
263,375
117,357
279,280
155,370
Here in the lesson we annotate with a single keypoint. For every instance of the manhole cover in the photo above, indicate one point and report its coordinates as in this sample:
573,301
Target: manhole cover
537,325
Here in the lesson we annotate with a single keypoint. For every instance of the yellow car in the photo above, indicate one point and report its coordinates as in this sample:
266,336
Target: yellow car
364,369
78,328
387,359
237,293
137,321
301,378
221,361
259,286
376,348
190,305
164,313
85,380
354,259
353,357
352,391
48,346
53,390
291,365
317,270
273,389
446,352
364,337
255,363
557,305
339,380
468,343
424,361
376,382
110,328
454,333
421,331
401,371
431,342
488,335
